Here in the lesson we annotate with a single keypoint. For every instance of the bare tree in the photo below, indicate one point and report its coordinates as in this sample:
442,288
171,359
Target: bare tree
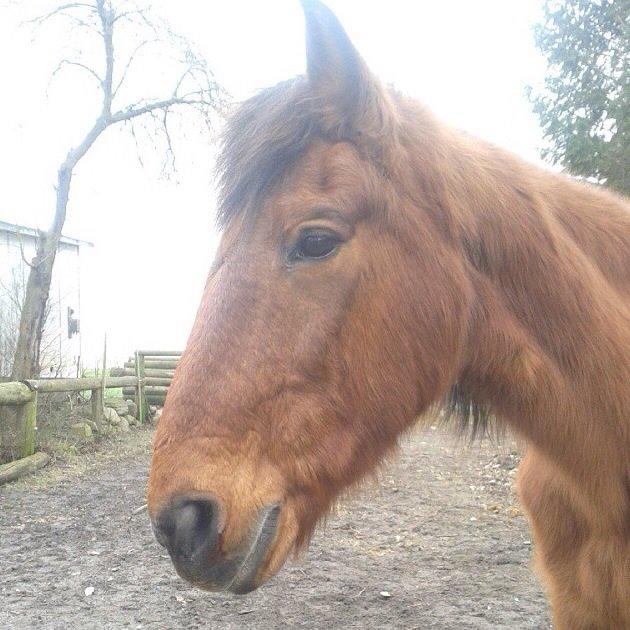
194,91
12,295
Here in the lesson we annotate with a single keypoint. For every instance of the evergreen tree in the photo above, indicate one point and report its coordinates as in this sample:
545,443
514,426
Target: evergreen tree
584,107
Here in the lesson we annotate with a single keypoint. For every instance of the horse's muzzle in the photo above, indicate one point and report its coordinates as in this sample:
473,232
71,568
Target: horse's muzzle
189,528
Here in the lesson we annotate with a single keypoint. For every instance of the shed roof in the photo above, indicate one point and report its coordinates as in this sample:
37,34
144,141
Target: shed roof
28,231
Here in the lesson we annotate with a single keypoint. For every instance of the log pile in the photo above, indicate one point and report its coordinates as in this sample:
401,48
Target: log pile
156,369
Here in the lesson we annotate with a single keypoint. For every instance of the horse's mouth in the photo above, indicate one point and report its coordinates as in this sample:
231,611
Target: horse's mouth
240,571
247,576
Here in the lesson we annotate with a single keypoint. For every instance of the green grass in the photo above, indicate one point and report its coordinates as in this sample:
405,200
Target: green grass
110,392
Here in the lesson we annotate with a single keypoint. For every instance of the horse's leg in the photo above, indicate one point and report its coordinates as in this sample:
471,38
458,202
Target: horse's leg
585,574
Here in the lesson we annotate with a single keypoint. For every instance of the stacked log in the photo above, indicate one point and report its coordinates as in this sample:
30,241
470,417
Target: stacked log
148,373
154,364
159,368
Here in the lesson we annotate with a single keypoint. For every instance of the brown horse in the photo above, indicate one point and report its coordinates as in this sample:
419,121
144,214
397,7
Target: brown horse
373,263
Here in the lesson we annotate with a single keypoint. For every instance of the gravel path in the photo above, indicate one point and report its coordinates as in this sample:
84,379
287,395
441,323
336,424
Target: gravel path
439,533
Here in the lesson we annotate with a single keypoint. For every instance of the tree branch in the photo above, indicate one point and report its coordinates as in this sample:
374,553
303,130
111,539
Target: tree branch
130,61
26,262
60,10
78,64
134,112
170,153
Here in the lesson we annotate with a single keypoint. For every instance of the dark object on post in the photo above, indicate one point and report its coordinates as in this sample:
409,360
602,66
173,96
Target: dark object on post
73,323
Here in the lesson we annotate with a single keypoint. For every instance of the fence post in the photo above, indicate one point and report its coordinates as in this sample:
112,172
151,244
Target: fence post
140,402
97,405
28,412
145,409
104,377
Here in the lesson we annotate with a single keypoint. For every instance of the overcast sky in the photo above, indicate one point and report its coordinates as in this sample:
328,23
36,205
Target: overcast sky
153,237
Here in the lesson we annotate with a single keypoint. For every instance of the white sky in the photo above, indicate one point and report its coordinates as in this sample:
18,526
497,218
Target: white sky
154,238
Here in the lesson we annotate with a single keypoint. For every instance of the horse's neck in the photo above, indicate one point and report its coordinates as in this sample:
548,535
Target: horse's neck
550,344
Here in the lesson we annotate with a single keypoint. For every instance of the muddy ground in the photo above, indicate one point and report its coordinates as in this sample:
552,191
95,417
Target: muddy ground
439,533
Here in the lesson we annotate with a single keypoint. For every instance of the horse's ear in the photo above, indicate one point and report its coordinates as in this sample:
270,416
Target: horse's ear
349,99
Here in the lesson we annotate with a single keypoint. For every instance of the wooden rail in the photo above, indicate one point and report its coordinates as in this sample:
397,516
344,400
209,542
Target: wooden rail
80,384
14,393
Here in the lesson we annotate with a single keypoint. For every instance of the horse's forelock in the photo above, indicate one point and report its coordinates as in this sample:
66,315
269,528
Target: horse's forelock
264,137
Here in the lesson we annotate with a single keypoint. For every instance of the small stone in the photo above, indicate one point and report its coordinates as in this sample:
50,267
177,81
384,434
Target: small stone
111,416
89,591
121,407
123,425
92,424
82,430
131,420
133,409
385,594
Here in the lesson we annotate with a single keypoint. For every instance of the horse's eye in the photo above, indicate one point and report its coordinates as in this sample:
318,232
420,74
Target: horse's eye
315,245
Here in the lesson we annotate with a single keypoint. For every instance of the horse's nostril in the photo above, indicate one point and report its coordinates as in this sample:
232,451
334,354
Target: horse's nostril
188,528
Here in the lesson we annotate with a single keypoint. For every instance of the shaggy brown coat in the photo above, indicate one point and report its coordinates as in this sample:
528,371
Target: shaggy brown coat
462,268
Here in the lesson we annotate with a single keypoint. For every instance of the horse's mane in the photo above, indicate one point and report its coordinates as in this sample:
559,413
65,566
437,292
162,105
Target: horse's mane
469,418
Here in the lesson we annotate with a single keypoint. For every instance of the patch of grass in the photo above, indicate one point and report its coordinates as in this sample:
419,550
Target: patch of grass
56,413
110,392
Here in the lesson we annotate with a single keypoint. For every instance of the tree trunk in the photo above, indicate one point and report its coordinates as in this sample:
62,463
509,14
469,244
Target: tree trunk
26,360
33,317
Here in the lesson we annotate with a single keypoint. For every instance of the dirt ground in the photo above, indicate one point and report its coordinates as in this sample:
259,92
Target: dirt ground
437,542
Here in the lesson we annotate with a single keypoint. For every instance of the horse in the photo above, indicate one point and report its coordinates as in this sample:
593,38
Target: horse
374,263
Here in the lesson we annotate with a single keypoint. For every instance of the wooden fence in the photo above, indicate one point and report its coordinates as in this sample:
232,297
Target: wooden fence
23,396
146,378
